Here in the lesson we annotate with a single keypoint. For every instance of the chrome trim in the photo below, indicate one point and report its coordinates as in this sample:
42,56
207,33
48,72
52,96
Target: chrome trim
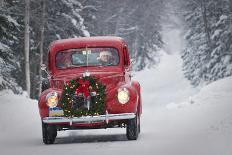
89,119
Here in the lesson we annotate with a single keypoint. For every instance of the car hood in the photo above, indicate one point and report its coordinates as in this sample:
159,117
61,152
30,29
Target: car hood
109,79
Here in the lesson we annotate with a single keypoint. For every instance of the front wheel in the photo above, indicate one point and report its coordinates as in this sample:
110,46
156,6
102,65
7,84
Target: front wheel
49,133
133,128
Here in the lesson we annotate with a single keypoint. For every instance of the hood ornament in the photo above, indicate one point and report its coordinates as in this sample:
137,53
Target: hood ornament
86,73
87,52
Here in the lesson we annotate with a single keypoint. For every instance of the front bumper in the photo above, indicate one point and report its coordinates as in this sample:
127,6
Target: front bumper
89,119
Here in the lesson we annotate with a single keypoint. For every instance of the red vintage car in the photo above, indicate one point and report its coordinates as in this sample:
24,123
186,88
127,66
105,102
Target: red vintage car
89,86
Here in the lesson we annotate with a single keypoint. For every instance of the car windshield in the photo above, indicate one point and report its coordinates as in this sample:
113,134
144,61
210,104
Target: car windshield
87,57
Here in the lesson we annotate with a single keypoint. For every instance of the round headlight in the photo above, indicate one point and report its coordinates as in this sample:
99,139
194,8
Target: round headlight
52,99
123,95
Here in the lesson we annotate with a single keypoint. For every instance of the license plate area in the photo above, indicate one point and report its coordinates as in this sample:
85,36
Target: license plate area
56,112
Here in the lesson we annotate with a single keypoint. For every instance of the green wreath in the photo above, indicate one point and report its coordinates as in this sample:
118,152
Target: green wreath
84,85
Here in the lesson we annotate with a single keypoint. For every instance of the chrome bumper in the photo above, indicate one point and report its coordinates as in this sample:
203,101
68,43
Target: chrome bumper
89,119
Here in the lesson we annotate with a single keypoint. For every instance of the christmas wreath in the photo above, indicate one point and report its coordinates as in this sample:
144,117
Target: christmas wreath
83,96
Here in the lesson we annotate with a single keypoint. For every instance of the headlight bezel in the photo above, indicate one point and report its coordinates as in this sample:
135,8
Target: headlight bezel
52,99
123,95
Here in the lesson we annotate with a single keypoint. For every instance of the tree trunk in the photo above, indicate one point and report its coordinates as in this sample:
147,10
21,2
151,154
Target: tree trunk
230,6
143,58
41,42
27,46
206,26
1,3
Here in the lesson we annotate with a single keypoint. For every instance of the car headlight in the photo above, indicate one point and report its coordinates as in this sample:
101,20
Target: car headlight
52,99
123,95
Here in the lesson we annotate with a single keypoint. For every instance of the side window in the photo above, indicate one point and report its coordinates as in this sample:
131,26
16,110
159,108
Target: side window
126,56
63,59
49,61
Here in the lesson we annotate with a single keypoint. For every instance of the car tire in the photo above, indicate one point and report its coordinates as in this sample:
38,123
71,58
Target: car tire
49,133
133,128
139,128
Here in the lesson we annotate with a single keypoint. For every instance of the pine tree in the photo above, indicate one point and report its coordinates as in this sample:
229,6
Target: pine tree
207,56
9,29
136,21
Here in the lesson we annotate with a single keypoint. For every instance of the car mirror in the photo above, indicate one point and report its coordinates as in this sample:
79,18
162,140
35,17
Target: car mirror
132,61
43,67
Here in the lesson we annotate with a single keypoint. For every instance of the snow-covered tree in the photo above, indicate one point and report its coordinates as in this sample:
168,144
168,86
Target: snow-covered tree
221,35
207,56
136,21
9,30
62,19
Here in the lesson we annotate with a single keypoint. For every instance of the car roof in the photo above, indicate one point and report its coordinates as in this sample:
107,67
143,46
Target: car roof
82,42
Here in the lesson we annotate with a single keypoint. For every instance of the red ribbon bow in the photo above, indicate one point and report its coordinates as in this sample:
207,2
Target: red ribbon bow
83,88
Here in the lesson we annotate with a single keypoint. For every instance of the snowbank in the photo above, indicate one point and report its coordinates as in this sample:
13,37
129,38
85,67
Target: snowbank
218,92
209,111
17,113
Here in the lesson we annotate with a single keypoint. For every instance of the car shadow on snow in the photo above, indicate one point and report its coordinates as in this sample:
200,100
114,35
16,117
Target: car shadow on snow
91,138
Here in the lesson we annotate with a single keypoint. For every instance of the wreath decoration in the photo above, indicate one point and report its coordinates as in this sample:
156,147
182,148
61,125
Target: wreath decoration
83,96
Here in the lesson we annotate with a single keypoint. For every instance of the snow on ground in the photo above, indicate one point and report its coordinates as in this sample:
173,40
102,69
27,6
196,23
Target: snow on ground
166,83
208,114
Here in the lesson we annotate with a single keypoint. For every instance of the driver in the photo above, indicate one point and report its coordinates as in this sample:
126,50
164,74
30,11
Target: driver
105,58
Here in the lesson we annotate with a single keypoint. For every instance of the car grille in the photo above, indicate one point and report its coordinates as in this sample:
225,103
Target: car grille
81,102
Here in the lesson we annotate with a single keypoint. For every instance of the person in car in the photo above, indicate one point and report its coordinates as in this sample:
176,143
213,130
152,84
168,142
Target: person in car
105,58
